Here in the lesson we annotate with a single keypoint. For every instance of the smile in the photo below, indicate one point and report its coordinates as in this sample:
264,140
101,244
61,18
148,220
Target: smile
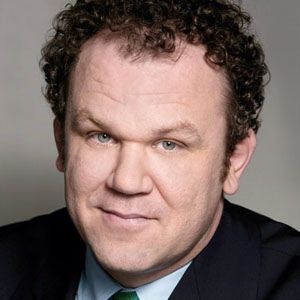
125,216
127,221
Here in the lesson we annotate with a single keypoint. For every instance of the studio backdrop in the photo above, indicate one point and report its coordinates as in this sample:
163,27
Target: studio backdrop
29,181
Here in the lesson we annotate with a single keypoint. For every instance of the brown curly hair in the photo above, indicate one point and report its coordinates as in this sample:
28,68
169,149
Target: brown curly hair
153,27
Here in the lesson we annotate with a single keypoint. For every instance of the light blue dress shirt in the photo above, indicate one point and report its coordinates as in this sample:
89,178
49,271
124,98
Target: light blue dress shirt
96,284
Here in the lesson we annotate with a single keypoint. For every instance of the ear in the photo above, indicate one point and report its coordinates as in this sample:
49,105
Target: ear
238,162
59,140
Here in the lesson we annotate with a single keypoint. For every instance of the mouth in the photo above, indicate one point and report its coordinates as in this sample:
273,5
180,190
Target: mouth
124,220
125,216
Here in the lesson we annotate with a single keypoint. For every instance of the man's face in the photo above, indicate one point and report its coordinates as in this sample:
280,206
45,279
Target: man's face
145,143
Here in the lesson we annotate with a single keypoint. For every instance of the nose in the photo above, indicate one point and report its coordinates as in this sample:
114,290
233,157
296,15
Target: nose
130,175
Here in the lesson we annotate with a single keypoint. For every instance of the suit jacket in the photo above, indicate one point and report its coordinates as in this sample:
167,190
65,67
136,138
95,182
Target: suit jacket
249,257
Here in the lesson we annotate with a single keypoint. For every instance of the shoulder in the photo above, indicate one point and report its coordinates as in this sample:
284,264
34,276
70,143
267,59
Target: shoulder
279,249
34,223
274,236
38,232
26,247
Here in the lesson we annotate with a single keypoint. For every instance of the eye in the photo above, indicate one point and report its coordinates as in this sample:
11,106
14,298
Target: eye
103,138
168,145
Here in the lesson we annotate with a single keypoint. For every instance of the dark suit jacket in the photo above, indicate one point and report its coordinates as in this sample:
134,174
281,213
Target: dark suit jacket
250,257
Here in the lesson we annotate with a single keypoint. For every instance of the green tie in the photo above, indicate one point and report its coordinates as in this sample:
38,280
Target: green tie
125,296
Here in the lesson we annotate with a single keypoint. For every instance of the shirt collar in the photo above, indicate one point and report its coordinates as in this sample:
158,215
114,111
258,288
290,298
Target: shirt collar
162,288
95,283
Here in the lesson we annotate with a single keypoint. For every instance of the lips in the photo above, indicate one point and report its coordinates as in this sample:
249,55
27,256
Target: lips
120,222
125,216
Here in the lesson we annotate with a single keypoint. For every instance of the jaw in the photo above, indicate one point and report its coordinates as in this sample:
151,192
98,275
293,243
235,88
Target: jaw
133,264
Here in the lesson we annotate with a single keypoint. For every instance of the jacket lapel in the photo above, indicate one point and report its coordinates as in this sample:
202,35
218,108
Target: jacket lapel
228,268
59,276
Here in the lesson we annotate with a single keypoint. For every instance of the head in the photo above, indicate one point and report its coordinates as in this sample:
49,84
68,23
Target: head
157,104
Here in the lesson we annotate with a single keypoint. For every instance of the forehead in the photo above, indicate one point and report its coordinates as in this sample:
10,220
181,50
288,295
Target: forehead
104,77
104,61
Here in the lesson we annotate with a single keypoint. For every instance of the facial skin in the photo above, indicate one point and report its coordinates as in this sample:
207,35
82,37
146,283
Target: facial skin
144,153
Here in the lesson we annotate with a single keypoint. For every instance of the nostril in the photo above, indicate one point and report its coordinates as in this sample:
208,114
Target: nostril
129,184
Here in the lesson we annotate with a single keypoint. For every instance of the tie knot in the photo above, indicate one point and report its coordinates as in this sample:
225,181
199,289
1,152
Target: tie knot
125,296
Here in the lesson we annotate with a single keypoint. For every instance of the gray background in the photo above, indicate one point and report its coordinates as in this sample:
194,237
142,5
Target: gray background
29,182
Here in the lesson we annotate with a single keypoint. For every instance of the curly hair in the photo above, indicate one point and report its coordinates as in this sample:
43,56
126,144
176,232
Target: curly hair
152,27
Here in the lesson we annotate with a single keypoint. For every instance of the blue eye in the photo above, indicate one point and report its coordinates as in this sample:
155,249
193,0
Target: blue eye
103,138
168,145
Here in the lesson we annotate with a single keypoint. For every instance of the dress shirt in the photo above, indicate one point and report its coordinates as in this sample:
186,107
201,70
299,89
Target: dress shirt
96,284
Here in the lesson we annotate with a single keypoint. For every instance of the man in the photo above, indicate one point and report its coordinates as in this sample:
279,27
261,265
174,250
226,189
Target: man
156,108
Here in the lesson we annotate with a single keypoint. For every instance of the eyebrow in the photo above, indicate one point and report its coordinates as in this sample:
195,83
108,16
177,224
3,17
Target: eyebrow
82,116
181,127
184,127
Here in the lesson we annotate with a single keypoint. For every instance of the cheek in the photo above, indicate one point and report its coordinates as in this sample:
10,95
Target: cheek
189,181
86,170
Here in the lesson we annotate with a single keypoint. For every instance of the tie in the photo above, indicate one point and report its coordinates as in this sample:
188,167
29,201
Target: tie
125,296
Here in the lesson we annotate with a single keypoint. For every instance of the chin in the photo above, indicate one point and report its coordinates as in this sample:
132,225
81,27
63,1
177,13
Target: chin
122,258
